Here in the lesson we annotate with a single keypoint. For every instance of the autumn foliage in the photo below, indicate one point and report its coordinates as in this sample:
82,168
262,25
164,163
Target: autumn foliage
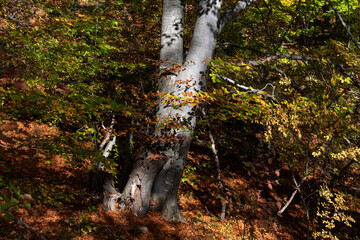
282,104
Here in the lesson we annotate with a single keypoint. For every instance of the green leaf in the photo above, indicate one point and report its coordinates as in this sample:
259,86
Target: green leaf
27,205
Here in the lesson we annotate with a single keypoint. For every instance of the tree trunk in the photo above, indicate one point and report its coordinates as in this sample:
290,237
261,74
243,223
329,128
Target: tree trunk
157,173
110,194
190,80
101,181
136,194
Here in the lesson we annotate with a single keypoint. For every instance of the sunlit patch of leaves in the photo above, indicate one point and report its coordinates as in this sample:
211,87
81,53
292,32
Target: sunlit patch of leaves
331,211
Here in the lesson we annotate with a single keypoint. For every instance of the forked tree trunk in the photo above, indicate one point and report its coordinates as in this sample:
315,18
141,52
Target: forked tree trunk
160,178
157,172
189,80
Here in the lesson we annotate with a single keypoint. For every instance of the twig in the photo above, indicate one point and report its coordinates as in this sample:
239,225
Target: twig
297,190
356,189
344,25
220,184
252,90
13,17
60,211
292,57
287,203
22,223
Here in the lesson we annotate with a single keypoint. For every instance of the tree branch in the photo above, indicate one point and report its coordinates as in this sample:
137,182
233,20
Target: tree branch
230,14
252,90
220,184
295,57
108,134
24,224
297,190
344,25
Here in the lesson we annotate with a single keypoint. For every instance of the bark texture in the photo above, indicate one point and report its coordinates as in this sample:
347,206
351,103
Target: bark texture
157,172
136,194
190,79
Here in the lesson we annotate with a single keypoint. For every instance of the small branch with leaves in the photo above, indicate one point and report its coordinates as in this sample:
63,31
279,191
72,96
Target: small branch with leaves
304,58
272,57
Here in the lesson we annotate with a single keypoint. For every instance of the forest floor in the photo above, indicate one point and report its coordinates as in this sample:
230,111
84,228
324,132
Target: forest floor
61,208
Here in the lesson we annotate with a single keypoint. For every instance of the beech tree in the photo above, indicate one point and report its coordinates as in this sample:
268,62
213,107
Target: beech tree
98,72
158,170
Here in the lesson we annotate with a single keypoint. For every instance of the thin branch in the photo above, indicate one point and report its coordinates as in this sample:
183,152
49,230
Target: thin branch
287,56
230,14
356,189
297,57
252,90
24,224
274,57
296,191
220,184
270,36
288,27
287,203
344,24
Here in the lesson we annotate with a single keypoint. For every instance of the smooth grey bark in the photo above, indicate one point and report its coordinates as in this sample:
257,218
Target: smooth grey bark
157,173
139,187
190,79
136,194
171,49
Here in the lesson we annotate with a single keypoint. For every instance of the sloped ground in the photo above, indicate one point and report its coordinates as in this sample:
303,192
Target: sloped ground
61,208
